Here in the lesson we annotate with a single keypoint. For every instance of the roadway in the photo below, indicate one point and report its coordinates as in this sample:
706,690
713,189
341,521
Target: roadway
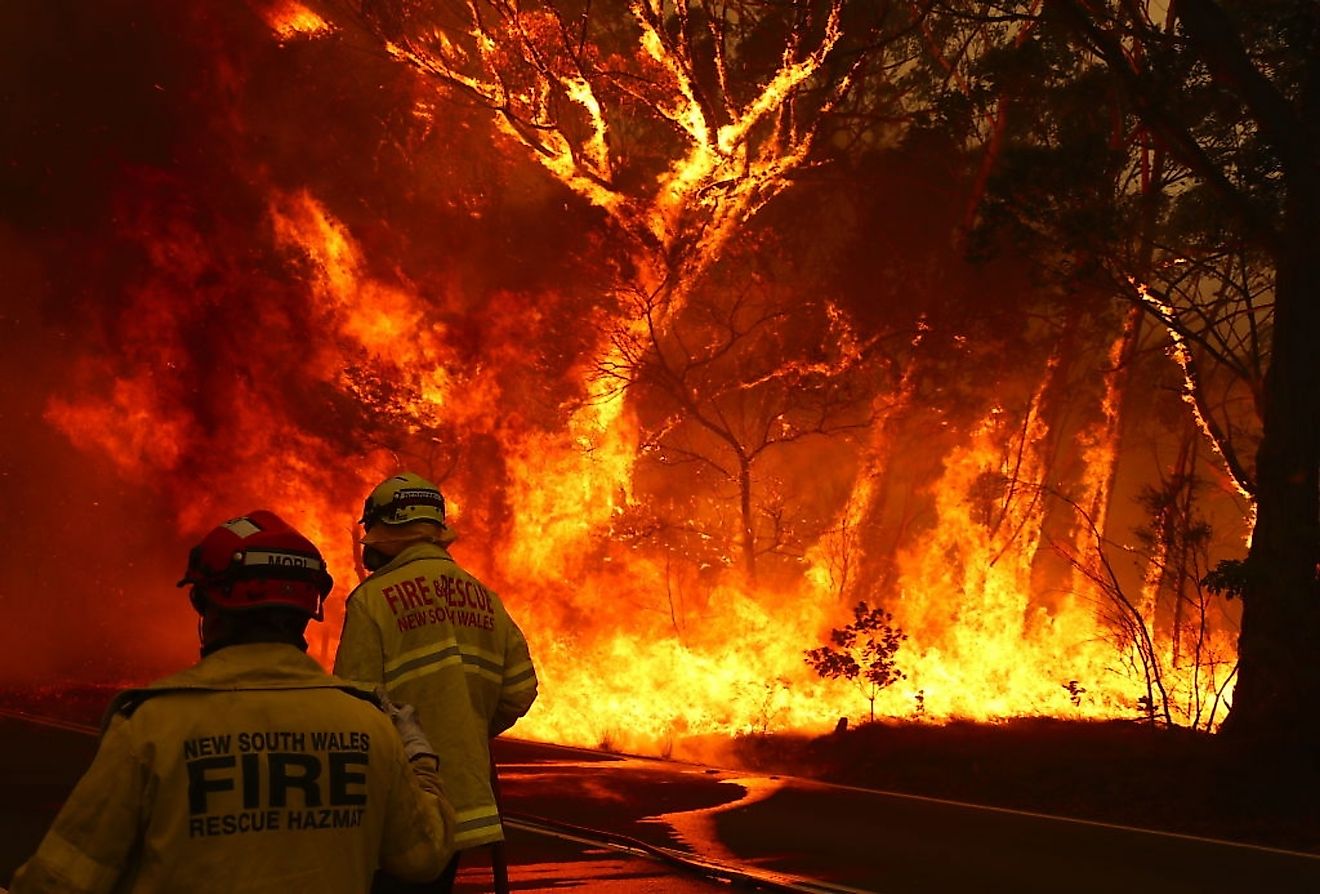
594,822
873,841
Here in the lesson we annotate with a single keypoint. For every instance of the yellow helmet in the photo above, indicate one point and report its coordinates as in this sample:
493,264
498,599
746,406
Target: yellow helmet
403,499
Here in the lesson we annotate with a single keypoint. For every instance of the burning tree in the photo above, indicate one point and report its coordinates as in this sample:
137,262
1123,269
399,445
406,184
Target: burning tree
1195,198
1175,590
1174,549
679,121
734,380
864,654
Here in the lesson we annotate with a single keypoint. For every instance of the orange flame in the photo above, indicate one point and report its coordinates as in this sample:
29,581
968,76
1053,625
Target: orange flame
290,19
632,652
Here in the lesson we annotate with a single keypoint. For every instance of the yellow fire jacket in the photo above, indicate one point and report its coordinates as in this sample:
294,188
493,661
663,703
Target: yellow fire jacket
442,642
252,771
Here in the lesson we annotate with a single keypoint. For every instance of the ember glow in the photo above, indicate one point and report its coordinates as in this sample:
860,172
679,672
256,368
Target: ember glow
290,19
679,460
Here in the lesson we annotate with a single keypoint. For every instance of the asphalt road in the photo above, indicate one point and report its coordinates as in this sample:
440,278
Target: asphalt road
586,821
891,844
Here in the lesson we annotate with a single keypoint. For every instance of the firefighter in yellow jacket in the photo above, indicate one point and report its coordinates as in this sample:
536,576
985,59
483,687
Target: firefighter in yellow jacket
253,770
438,639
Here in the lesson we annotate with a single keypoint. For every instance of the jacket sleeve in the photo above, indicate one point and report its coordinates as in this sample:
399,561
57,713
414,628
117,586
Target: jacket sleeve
361,655
518,686
419,828
89,846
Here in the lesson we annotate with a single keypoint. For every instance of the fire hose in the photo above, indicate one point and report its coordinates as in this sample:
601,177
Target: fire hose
499,860
740,876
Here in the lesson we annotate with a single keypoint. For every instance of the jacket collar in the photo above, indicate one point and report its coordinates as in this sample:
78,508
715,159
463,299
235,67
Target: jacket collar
260,666
422,549
251,666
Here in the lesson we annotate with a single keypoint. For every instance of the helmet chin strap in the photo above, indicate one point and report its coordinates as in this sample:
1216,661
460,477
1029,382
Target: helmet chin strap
204,645
373,558
197,597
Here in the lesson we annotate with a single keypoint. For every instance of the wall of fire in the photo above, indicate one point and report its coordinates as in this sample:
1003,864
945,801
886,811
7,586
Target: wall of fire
245,270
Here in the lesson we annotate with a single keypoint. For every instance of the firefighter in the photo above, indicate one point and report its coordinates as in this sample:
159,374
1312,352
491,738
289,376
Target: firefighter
253,770
436,638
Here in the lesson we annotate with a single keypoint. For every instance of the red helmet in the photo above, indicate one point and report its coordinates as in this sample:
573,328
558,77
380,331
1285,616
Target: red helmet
257,561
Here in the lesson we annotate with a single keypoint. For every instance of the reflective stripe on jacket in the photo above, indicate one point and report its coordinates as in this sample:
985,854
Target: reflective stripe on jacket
253,771
442,642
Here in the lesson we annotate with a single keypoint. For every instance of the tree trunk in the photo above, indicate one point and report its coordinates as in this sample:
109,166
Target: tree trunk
1277,698
748,527
1276,704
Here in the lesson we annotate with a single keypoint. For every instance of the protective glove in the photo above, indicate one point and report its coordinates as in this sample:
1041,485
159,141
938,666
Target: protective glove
404,717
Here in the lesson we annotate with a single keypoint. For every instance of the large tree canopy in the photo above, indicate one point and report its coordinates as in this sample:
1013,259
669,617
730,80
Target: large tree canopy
1172,152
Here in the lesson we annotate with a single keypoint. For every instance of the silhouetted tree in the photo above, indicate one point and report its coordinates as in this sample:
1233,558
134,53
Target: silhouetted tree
736,376
862,651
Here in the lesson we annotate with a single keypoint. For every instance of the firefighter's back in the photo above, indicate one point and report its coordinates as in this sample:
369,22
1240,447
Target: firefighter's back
444,638
252,770
267,790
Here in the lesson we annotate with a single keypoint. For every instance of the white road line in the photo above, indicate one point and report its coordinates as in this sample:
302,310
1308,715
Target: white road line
1062,819
634,847
50,721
